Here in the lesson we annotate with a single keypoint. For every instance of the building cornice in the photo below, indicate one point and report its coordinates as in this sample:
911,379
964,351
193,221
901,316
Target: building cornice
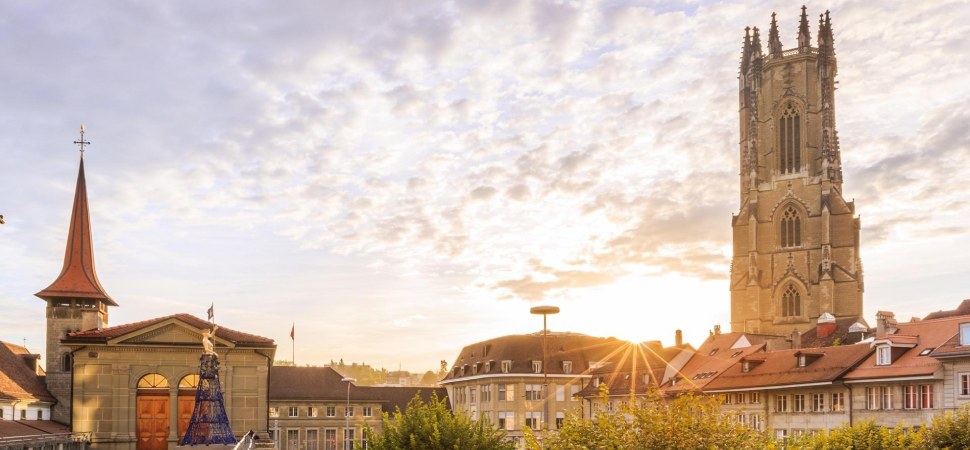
514,375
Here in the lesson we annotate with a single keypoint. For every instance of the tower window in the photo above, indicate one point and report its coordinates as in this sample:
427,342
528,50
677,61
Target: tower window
791,302
789,138
791,228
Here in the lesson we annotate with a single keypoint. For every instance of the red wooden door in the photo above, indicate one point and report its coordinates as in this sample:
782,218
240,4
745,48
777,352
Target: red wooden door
186,405
153,422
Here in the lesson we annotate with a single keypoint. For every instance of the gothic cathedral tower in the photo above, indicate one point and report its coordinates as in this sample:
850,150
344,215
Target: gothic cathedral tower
796,238
75,300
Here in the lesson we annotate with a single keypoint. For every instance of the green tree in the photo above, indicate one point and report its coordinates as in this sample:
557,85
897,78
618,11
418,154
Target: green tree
429,379
685,422
863,435
950,430
431,426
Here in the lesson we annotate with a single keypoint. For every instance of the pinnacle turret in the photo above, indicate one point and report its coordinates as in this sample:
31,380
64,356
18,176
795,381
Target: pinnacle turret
804,37
774,43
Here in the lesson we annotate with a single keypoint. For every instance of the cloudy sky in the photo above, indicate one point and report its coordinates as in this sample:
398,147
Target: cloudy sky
402,178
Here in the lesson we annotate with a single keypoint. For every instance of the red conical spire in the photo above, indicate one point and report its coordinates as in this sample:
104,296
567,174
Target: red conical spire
78,278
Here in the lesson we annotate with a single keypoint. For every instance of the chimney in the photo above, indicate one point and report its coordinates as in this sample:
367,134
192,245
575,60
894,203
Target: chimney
885,323
678,338
717,329
826,325
796,340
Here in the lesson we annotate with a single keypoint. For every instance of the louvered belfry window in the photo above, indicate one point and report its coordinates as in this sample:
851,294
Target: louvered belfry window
789,139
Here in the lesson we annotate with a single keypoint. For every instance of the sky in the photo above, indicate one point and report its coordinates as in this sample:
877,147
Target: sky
402,178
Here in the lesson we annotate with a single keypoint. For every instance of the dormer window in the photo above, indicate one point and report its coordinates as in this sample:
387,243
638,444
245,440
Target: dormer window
884,356
965,334
488,366
475,369
536,366
806,358
745,366
506,366
567,367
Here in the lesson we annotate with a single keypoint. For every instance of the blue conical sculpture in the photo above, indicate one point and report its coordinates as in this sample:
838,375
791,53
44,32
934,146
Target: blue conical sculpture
209,423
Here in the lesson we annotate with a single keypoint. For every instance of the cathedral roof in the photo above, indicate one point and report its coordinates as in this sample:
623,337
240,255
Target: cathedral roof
18,380
78,278
105,334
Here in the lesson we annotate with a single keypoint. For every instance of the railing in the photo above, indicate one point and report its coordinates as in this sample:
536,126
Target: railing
44,440
798,51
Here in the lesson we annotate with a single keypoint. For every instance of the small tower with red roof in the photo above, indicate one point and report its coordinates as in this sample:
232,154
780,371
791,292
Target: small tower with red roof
76,301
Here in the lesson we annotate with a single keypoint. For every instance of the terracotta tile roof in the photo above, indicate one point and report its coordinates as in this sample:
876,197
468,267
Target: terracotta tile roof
638,369
106,334
18,381
17,428
324,384
952,348
962,310
522,349
395,397
908,362
78,279
810,337
713,357
780,368
310,383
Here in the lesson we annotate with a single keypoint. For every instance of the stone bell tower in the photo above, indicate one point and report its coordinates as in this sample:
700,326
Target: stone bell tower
796,238
75,300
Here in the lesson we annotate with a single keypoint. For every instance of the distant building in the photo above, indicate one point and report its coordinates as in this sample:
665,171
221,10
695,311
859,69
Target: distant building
25,405
796,237
309,407
501,379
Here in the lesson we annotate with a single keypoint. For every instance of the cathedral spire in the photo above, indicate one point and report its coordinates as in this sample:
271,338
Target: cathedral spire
78,279
756,44
774,43
804,37
746,51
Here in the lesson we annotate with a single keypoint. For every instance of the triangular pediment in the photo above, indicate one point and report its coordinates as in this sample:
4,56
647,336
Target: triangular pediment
170,332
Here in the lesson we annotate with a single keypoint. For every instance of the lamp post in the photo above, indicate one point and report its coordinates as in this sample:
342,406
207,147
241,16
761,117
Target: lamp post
347,413
544,311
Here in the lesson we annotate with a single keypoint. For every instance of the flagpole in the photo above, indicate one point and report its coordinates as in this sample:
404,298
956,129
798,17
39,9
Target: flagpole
293,340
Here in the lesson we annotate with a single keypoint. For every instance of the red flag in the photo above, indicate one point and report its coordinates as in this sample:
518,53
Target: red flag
293,331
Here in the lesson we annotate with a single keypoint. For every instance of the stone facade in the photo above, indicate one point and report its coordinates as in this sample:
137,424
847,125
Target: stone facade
107,371
796,238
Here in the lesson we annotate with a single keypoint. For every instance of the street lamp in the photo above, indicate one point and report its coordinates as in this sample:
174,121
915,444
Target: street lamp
347,413
544,311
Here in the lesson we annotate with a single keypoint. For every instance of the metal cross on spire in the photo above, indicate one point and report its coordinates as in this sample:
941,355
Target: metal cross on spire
81,141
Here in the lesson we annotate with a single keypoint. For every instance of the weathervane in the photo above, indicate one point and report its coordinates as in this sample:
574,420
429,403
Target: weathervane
82,142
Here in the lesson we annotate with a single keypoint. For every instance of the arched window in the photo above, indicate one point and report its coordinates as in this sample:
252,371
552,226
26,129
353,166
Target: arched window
67,362
791,228
153,381
791,302
789,139
190,381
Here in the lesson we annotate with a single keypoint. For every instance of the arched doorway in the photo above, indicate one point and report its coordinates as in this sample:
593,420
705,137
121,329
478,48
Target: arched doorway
186,401
153,412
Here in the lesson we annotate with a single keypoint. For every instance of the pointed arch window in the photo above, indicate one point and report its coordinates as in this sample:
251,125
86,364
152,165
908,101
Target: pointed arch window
791,228
791,302
789,140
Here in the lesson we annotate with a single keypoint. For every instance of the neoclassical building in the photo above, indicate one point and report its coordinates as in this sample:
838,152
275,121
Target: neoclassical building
796,237
132,386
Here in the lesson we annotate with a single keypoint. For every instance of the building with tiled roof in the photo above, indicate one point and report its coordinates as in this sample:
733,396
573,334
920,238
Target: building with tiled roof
638,371
23,395
501,379
915,371
132,386
313,407
789,391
